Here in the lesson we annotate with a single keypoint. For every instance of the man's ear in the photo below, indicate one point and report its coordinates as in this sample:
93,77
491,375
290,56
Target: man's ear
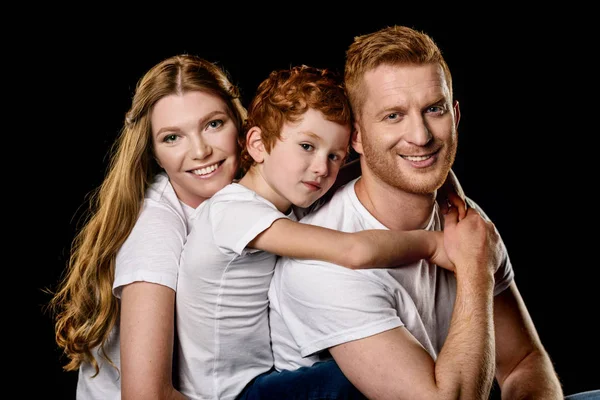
356,139
456,114
255,145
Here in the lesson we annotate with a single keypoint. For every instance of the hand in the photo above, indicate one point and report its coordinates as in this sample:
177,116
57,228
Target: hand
451,194
439,256
472,243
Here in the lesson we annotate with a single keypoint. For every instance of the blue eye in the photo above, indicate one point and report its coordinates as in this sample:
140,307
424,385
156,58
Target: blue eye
214,124
306,146
440,110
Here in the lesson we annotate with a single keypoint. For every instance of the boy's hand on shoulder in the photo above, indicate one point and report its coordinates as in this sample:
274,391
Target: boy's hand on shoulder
439,255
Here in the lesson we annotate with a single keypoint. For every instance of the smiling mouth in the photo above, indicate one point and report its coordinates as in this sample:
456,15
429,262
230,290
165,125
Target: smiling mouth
419,158
206,170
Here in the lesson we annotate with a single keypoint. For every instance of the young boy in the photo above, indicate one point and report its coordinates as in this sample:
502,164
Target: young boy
297,138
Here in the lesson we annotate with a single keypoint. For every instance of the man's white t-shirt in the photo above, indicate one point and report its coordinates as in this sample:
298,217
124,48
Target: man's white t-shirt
315,305
221,301
151,254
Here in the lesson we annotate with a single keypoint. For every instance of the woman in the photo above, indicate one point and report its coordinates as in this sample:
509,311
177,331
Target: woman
171,155
115,307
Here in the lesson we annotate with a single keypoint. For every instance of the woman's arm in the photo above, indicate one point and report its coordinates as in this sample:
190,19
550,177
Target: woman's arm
374,248
147,332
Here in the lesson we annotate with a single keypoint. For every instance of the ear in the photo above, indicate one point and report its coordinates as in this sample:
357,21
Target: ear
356,138
456,114
156,158
254,144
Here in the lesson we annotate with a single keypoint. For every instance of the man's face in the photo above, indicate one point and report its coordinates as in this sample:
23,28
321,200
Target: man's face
406,131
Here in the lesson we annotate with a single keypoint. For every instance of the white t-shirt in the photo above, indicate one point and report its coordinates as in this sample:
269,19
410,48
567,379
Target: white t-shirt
221,302
315,305
151,254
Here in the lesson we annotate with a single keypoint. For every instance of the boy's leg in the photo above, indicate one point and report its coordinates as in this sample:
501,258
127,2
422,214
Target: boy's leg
322,381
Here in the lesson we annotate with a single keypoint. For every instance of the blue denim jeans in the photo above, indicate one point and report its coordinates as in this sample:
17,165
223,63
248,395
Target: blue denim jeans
591,395
322,381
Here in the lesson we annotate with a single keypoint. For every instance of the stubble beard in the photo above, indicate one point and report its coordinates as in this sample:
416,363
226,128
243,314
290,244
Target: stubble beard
386,169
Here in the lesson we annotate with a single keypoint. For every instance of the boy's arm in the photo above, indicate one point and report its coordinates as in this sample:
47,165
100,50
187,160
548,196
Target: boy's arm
394,365
374,248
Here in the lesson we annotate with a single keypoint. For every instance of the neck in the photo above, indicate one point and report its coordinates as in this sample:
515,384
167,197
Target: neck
254,180
394,208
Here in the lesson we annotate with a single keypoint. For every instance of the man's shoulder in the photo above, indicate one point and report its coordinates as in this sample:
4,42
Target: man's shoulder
332,209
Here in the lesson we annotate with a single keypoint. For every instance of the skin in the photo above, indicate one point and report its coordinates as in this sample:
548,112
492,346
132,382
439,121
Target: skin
300,168
192,134
303,164
194,139
408,113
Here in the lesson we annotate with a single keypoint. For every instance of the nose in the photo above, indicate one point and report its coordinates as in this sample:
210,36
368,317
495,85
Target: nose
200,149
320,165
418,133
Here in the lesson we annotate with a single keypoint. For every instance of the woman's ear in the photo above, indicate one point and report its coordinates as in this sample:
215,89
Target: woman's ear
254,144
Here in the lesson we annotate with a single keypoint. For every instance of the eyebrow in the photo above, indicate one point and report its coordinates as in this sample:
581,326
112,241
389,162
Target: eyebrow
312,135
395,107
319,139
202,121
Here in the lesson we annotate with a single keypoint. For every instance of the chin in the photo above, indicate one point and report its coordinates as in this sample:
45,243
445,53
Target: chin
304,203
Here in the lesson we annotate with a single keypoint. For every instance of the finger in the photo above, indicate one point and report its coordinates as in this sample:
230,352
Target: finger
450,185
459,203
450,216
456,187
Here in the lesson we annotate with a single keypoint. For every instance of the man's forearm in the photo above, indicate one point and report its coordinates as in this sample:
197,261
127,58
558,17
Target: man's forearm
465,366
534,377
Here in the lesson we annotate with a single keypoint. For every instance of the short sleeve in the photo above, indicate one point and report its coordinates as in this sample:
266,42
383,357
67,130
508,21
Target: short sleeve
152,250
324,304
235,224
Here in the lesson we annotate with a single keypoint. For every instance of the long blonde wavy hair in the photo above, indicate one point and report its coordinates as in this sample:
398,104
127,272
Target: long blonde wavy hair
83,305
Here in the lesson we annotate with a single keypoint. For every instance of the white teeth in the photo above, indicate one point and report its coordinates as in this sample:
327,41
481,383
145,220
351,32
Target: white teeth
416,158
206,170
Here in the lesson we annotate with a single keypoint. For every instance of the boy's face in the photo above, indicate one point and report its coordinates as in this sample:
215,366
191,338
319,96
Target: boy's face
304,163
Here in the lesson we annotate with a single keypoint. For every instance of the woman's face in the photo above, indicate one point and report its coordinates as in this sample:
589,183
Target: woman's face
195,141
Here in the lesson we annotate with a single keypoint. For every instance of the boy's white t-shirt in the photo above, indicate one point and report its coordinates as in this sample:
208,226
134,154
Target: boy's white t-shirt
315,305
221,301
151,253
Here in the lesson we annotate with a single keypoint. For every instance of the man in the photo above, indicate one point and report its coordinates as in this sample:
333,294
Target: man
417,332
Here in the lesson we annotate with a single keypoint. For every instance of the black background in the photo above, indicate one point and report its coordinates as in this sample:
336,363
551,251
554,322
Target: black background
526,142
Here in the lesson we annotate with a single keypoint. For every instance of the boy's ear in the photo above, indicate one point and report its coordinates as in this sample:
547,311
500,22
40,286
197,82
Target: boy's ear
254,144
